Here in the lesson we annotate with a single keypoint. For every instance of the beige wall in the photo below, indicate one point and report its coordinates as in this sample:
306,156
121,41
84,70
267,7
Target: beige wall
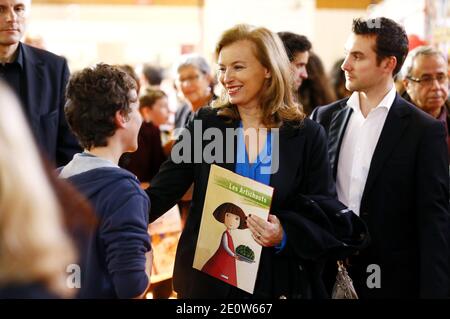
87,34
287,15
115,34
331,29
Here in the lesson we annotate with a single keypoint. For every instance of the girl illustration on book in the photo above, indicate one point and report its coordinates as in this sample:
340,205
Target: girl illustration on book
222,264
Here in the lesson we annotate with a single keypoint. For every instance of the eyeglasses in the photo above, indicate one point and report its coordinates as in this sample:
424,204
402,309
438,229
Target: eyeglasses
428,80
190,79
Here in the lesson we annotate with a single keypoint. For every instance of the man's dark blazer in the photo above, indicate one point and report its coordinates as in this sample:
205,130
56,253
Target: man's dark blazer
405,202
46,76
406,96
303,169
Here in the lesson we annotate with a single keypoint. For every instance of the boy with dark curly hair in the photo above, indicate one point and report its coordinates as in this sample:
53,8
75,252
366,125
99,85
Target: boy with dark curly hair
103,112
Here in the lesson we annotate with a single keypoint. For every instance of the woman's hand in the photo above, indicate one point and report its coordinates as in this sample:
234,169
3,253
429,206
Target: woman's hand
145,185
266,233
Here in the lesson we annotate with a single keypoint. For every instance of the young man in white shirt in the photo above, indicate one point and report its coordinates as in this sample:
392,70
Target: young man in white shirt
390,162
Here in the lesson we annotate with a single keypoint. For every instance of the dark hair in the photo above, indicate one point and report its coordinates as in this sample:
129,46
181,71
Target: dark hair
219,213
153,74
316,90
391,38
150,97
294,43
337,77
94,95
130,71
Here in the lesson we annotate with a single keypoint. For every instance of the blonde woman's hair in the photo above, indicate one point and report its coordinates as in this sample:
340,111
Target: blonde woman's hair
34,247
277,102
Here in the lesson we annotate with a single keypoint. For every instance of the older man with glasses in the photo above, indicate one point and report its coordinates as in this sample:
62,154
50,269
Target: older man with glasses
426,83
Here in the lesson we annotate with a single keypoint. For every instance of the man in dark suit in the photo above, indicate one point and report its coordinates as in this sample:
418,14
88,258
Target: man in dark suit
39,79
390,163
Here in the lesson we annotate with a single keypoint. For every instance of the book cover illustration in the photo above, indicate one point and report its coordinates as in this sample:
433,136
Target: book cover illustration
225,247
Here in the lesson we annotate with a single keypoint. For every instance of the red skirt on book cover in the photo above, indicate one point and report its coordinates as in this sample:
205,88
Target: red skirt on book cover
221,265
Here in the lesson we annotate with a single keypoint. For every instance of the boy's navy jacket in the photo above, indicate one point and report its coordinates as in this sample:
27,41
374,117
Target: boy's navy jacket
113,265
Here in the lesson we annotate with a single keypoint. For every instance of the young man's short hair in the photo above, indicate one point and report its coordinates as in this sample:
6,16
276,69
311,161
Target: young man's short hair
150,97
294,43
391,38
94,95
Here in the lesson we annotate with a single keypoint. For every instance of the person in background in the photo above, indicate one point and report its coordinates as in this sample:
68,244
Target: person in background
426,86
149,156
102,111
426,83
39,79
390,163
316,89
195,87
35,247
337,76
297,48
130,71
152,77
194,84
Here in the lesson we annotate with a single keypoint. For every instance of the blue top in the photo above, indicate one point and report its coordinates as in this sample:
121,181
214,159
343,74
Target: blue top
113,263
260,169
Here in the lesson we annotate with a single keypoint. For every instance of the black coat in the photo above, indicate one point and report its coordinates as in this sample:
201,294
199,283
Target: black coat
46,79
404,204
303,169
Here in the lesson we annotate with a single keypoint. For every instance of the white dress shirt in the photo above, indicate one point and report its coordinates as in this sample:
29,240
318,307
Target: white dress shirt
358,145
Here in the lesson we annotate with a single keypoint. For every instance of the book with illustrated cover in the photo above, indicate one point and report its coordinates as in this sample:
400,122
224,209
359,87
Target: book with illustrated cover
225,247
